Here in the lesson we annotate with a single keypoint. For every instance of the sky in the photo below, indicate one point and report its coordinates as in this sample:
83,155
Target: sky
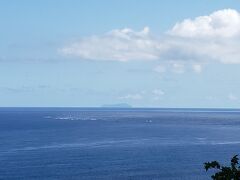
147,53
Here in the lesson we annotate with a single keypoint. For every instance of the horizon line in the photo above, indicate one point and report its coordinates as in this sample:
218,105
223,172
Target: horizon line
133,107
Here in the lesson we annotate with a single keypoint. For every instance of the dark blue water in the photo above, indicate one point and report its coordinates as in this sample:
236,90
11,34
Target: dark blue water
60,143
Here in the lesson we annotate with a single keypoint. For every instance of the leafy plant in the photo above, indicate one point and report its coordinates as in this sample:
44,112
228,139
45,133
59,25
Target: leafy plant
225,172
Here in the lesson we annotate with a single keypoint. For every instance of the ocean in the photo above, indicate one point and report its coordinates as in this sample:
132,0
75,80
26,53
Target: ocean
115,143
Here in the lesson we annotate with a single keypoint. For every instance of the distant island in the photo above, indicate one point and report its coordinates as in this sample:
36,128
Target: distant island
120,105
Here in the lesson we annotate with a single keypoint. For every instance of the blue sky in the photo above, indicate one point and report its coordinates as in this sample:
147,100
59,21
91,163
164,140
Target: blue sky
145,53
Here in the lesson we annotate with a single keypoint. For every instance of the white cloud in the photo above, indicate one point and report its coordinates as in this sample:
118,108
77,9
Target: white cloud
232,97
213,38
132,97
178,68
116,45
199,51
222,23
211,98
158,93
197,68
205,39
155,94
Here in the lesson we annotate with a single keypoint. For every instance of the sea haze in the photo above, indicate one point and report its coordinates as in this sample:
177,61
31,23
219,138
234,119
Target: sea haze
115,143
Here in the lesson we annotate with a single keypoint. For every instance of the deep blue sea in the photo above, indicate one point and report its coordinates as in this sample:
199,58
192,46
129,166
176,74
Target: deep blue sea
105,143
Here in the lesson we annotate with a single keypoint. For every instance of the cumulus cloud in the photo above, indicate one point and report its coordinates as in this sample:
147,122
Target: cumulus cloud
205,39
116,45
222,23
213,38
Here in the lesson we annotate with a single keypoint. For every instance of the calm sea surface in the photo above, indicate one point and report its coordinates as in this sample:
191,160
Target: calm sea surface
97,143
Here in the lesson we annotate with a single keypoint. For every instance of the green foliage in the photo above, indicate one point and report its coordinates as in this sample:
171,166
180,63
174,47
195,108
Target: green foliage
224,172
